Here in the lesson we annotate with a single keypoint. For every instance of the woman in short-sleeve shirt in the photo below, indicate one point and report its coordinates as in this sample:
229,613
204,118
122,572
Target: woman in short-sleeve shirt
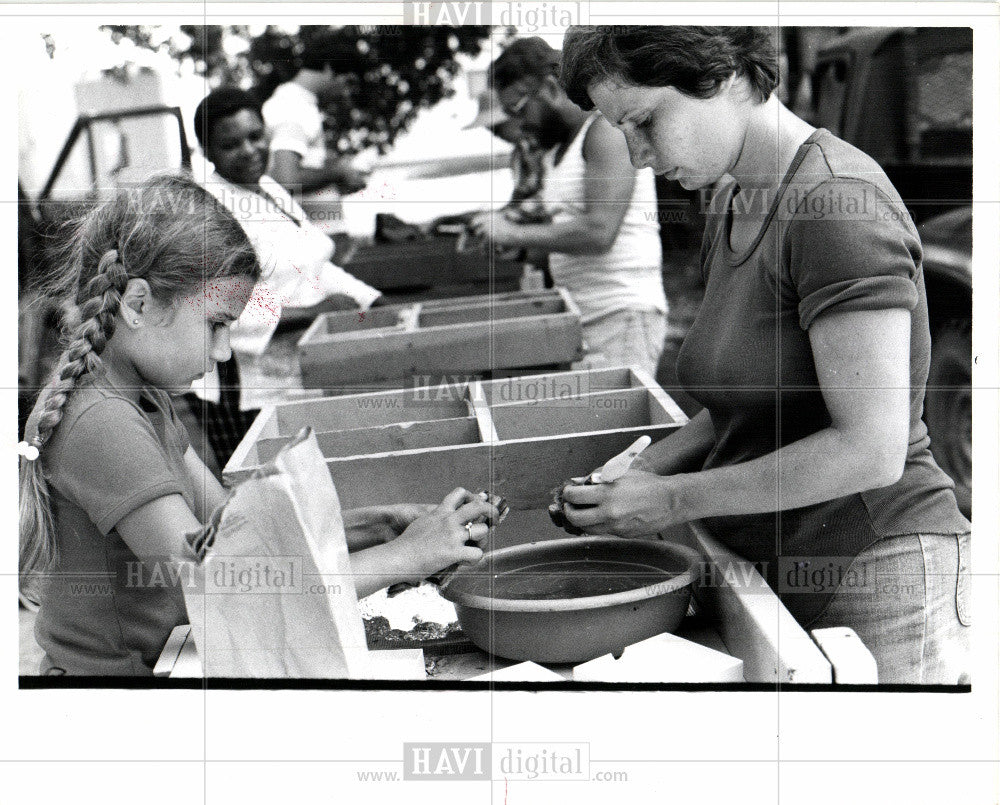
809,354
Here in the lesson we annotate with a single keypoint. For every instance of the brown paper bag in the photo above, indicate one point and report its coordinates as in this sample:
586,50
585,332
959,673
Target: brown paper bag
273,595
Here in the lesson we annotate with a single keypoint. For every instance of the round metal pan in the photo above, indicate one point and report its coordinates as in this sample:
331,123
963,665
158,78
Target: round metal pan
571,600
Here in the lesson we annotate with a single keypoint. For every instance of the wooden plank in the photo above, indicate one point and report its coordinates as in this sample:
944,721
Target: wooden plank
558,385
567,299
463,301
171,650
385,438
392,665
330,326
409,319
492,311
853,663
365,411
188,664
314,331
519,672
475,346
245,454
449,290
481,411
662,404
753,622
537,340
663,658
474,665
522,471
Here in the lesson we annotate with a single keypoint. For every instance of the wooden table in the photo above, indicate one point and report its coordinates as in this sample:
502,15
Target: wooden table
745,620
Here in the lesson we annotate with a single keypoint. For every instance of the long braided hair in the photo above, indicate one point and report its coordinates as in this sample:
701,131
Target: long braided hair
168,231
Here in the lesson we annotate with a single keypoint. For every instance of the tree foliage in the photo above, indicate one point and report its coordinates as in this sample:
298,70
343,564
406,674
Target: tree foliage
387,73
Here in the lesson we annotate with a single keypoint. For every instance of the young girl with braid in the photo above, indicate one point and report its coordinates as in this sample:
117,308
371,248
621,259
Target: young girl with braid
109,479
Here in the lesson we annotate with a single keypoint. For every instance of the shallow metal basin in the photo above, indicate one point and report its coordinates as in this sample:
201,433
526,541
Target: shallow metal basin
571,600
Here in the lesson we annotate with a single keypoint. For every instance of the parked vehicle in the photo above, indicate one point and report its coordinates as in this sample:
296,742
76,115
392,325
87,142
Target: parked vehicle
904,96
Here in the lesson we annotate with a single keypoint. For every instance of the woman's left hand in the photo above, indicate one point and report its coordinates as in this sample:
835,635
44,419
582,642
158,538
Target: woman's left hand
637,504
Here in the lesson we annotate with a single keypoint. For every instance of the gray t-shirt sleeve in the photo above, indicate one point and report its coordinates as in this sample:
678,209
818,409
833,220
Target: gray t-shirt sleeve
851,248
110,463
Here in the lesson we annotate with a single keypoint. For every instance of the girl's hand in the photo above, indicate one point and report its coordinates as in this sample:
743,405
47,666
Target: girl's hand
637,504
400,516
377,525
437,539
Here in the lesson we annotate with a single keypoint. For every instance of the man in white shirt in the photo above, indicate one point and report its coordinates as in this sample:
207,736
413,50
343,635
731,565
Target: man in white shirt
299,158
603,240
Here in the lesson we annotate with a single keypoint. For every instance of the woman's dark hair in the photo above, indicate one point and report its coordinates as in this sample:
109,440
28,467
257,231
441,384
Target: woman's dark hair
693,59
219,104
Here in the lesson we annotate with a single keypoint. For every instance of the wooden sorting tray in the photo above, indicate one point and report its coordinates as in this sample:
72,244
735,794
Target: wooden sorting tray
428,262
518,436
448,336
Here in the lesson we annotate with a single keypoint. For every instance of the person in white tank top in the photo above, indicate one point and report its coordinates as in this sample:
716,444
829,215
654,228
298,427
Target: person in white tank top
603,243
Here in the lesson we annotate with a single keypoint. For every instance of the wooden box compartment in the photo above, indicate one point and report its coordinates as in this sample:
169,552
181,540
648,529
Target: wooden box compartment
351,323
360,423
429,262
385,438
359,411
436,338
562,388
603,410
410,450
496,308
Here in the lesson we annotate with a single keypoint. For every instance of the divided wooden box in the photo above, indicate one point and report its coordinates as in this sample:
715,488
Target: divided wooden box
441,337
431,262
518,436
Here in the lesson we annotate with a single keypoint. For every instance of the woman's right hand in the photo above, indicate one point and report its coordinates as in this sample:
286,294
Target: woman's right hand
438,539
684,450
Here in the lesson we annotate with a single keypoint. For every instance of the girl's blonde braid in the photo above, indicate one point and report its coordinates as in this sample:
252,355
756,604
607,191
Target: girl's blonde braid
103,296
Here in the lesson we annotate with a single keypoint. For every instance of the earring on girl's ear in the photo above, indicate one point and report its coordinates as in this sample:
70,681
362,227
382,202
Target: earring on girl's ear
129,314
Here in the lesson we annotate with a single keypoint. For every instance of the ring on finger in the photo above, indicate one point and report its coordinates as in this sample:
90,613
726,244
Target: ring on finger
468,528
